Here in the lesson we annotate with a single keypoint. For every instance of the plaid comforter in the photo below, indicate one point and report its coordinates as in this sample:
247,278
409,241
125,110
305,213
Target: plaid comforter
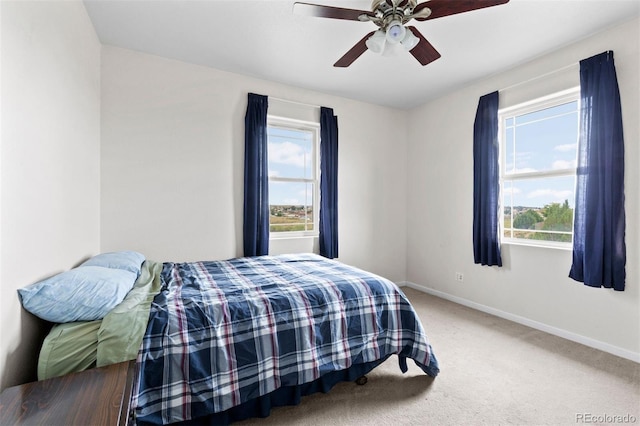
223,332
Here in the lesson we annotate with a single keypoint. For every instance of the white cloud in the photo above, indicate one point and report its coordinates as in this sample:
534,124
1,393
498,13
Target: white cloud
566,147
286,153
525,170
511,191
291,201
563,164
553,194
522,161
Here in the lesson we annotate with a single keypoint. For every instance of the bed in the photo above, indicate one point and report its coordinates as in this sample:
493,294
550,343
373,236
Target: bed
220,341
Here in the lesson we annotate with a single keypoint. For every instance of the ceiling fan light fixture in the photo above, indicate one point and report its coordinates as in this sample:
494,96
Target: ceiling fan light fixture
409,41
375,43
395,32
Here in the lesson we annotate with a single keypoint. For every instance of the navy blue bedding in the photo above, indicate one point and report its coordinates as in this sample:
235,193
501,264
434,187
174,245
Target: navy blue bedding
247,331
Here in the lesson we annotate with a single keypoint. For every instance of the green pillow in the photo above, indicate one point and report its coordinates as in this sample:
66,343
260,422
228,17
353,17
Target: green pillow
68,348
122,329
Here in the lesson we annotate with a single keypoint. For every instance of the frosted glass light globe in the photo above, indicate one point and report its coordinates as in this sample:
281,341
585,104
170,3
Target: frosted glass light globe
395,32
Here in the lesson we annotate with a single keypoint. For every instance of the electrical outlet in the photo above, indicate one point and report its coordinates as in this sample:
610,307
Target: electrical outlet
459,277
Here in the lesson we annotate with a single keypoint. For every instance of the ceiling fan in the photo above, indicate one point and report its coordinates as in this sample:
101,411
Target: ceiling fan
391,16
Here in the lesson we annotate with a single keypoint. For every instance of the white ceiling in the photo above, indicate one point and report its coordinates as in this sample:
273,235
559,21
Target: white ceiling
263,38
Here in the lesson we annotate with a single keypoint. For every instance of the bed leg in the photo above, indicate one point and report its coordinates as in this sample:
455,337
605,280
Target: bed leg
362,380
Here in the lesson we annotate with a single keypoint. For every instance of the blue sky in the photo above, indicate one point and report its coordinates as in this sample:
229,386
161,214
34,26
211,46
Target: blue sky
290,155
544,141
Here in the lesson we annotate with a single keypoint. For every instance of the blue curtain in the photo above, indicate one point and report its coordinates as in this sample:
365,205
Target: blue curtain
486,246
328,229
256,178
599,252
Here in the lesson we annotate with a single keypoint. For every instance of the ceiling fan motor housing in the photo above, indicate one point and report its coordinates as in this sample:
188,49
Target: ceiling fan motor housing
385,5
390,16
389,12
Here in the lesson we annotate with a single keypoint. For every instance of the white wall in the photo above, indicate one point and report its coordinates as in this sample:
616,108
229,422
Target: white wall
172,164
50,165
167,177
533,286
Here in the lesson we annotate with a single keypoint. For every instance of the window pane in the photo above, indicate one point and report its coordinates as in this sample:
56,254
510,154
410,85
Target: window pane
540,209
546,113
290,153
507,189
510,163
290,206
546,140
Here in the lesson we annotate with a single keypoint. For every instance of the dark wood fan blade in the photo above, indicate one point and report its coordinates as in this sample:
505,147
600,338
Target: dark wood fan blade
354,53
424,52
321,11
440,8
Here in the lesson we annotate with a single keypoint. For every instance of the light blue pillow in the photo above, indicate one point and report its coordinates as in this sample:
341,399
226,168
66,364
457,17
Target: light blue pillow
81,294
127,260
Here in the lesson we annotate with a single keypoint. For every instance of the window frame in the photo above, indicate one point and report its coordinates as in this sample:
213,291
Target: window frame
538,104
313,127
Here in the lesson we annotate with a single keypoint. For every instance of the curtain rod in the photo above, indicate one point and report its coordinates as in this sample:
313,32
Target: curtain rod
566,67
293,102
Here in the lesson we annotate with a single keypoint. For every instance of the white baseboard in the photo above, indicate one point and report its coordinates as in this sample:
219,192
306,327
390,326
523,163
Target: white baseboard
587,341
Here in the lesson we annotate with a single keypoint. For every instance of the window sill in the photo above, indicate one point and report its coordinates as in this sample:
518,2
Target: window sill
299,243
291,237
545,244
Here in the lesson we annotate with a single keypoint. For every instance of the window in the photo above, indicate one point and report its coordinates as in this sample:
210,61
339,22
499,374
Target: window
293,177
538,142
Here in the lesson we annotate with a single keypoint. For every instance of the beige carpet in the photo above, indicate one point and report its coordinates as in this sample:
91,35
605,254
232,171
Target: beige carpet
493,372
